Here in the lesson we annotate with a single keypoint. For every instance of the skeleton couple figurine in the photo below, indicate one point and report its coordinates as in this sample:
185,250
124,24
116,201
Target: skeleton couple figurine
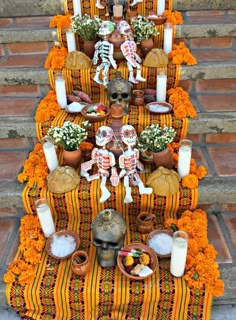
128,162
104,50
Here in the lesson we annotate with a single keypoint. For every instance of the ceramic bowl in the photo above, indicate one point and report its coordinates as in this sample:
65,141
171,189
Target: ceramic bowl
95,118
153,264
157,19
83,105
159,107
66,233
156,232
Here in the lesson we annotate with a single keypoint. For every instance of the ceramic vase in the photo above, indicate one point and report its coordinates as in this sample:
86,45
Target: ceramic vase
72,158
163,158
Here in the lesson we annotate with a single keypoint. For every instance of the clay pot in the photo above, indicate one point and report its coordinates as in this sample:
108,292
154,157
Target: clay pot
163,158
89,48
145,222
146,46
117,39
137,97
72,158
117,110
80,264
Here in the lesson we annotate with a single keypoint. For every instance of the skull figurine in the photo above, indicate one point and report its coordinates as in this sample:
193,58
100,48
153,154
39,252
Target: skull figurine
128,135
119,91
104,135
108,236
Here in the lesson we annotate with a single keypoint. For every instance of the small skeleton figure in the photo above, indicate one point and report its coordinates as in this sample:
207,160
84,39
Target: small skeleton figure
105,161
129,163
135,2
104,51
129,50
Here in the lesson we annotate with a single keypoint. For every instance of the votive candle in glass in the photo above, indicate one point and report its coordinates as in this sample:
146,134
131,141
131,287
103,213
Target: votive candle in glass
60,88
184,158
50,153
161,7
77,7
45,217
179,253
161,85
168,37
70,40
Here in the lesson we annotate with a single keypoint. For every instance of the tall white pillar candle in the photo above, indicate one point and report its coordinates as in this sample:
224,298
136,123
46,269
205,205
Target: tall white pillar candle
77,7
184,158
160,7
50,153
168,37
70,39
60,87
161,84
179,253
45,217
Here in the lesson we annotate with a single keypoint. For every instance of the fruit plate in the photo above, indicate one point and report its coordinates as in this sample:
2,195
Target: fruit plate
95,118
138,246
159,107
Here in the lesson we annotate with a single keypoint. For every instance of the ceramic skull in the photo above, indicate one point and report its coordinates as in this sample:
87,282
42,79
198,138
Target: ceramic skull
104,135
128,135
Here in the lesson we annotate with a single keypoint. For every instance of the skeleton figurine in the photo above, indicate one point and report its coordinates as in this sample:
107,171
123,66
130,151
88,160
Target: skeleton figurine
135,2
129,163
129,50
105,161
104,50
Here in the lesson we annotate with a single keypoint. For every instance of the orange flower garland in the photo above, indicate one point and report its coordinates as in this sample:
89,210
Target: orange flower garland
60,21
182,106
174,17
47,108
35,168
32,242
180,54
56,58
201,268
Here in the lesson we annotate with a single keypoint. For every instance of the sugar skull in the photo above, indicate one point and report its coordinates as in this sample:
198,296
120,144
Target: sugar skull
128,135
104,135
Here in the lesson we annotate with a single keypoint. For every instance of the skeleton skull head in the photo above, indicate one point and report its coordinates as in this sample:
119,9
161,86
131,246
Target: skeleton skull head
128,135
124,28
119,91
108,236
104,135
107,27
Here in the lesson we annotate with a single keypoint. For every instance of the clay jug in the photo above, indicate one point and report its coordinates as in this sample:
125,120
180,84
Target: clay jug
80,264
137,97
145,222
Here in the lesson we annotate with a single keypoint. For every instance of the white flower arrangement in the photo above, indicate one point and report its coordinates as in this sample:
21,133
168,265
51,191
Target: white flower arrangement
86,26
70,135
155,139
143,29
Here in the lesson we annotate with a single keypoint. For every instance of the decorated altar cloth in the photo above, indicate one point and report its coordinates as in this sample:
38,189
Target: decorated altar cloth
105,293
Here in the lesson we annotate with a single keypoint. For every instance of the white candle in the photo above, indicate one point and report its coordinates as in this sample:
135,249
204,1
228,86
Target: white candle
117,10
77,7
161,87
45,217
184,158
50,153
70,39
60,88
168,38
161,7
179,253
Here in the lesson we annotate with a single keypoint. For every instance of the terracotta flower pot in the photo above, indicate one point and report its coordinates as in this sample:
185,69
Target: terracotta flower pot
80,264
72,158
163,158
146,46
89,48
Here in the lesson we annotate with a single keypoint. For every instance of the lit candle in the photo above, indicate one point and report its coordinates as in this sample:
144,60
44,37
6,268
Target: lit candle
168,37
161,87
161,7
60,88
45,217
179,253
70,39
50,153
77,7
184,158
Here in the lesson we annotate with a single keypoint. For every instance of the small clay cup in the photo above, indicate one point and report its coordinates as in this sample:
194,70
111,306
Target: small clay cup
145,222
80,264
138,97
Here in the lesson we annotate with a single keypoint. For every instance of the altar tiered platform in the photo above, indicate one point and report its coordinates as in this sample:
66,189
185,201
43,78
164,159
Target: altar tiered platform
226,255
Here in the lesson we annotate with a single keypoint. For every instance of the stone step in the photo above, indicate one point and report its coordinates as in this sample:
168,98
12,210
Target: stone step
183,5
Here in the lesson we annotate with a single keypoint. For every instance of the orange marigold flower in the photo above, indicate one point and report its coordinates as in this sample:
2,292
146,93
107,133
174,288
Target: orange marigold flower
86,146
190,181
218,288
56,58
201,172
169,222
60,21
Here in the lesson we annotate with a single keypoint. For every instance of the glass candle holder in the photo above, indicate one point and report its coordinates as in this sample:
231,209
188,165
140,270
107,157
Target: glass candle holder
60,88
168,37
179,253
70,39
50,153
161,7
45,217
161,85
77,7
184,158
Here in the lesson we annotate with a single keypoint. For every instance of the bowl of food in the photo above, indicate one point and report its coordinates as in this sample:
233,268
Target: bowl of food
161,242
96,112
137,261
157,19
159,107
62,244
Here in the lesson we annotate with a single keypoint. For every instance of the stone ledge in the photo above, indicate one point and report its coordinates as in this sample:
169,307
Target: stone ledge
217,190
28,35
185,5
